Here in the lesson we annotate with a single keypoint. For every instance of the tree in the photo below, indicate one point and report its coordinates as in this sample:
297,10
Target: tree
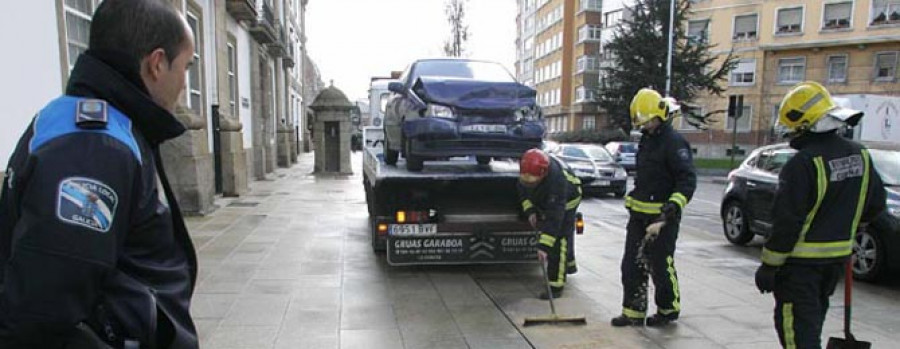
459,32
639,49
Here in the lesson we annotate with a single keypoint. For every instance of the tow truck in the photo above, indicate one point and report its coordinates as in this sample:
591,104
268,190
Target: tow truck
454,211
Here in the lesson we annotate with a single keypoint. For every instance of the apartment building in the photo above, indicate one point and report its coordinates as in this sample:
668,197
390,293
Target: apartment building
243,99
850,46
558,53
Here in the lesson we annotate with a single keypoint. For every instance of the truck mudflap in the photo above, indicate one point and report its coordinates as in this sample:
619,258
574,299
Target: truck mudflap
462,248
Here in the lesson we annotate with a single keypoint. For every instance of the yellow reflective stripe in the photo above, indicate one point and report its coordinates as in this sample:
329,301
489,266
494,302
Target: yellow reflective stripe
570,263
676,302
822,185
863,191
775,259
547,240
642,206
634,314
572,204
787,325
572,179
829,249
527,205
666,311
679,199
561,271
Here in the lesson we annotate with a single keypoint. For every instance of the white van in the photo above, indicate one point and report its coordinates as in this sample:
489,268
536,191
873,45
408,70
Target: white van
378,98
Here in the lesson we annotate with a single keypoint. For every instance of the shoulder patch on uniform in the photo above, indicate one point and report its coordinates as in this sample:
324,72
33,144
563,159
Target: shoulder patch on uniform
92,113
684,154
86,202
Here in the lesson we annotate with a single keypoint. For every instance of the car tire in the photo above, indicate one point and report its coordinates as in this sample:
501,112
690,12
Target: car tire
390,156
413,163
870,256
483,160
735,223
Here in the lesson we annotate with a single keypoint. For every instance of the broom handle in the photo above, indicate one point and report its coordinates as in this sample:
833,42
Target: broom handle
848,295
547,282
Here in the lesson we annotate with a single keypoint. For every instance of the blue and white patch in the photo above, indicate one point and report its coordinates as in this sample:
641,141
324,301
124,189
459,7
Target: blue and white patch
92,113
684,154
86,202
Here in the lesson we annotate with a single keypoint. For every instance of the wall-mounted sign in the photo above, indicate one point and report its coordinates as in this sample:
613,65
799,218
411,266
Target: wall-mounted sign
245,102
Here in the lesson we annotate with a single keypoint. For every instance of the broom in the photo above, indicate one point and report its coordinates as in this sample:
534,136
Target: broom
553,318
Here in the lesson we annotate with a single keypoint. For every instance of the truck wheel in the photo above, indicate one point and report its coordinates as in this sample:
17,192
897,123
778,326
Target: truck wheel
390,156
413,163
483,160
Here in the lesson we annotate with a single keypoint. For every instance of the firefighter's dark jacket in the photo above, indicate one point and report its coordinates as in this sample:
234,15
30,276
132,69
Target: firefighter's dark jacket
550,199
823,193
127,267
665,172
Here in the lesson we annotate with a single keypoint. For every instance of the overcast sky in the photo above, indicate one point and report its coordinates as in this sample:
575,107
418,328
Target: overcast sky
353,40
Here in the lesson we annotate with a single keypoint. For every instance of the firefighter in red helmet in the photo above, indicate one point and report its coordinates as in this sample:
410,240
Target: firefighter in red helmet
550,195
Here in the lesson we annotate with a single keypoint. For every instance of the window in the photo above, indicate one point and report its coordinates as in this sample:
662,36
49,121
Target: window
743,123
744,74
885,12
589,33
837,68
837,15
885,66
78,27
589,123
790,20
584,94
745,27
773,160
698,31
590,5
194,79
612,18
587,63
232,78
791,70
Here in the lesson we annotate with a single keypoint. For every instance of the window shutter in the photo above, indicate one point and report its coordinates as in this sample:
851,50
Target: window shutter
837,11
745,24
791,16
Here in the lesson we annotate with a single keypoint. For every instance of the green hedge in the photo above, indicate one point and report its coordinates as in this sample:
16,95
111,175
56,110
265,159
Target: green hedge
717,163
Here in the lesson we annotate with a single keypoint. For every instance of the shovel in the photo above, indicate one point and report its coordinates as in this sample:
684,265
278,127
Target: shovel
850,341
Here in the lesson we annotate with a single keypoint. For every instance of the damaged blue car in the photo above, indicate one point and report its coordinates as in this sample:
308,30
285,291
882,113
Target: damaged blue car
444,108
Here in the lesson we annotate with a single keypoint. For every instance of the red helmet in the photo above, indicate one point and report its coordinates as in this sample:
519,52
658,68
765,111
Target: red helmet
533,167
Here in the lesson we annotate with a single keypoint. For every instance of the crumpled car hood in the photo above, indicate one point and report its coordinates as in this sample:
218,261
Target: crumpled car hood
474,94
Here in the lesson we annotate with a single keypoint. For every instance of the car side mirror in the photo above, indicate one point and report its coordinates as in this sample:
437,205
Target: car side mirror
395,87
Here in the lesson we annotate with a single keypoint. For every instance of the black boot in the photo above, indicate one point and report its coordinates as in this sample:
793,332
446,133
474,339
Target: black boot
572,269
660,320
557,292
622,321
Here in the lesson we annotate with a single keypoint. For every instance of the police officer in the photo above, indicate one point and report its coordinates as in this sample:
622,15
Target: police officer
550,195
94,249
823,193
663,185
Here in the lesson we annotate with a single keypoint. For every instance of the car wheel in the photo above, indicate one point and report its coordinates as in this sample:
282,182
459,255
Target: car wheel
390,156
734,222
483,160
869,262
413,163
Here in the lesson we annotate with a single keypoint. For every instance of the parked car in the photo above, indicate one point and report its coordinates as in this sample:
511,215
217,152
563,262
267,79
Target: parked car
750,193
625,153
598,171
458,107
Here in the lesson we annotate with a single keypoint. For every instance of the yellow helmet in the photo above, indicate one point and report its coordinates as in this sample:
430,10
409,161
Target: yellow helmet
806,103
646,105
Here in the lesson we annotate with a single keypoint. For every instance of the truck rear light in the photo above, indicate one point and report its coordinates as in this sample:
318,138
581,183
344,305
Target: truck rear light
579,223
382,229
401,216
415,216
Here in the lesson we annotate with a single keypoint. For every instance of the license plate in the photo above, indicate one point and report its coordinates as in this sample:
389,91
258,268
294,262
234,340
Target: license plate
479,128
413,229
600,183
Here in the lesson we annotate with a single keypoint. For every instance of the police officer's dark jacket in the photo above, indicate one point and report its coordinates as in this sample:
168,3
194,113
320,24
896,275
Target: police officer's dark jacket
89,227
559,192
823,193
665,172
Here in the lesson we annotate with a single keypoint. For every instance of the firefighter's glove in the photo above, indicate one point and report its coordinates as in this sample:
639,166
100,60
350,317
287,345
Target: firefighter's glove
765,278
542,256
654,228
671,211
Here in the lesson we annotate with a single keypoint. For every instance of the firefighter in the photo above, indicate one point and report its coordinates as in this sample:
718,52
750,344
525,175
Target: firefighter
823,193
550,195
663,185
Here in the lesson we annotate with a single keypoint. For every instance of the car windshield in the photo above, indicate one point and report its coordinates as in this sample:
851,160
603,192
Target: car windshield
628,147
887,162
483,71
598,153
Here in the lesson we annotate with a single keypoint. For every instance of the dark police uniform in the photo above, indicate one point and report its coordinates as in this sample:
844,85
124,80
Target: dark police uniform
823,193
665,173
90,233
555,200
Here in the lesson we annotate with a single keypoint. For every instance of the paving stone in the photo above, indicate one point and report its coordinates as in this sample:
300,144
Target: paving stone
258,310
368,317
371,339
211,305
242,337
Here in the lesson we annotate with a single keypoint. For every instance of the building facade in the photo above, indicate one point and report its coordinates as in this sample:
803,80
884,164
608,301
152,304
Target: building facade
849,46
558,53
243,97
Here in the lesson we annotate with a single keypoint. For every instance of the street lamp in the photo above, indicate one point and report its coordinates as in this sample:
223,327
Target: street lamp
671,44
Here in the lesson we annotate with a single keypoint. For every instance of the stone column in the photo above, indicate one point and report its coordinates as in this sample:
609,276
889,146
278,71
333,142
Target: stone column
189,166
234,162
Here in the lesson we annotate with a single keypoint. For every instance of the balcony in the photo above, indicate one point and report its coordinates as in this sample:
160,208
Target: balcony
278,48
242,10
288,59
264,30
